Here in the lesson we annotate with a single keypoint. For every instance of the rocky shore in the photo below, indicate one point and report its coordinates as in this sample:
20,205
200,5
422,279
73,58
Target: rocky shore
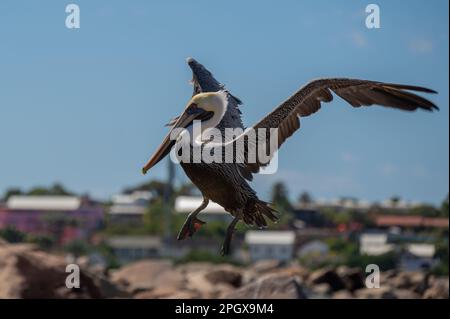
27,272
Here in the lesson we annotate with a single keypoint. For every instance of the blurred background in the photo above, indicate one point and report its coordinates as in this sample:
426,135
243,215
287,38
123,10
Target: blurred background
82,109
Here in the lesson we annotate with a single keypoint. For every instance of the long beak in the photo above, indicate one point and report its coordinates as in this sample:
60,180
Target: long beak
183,121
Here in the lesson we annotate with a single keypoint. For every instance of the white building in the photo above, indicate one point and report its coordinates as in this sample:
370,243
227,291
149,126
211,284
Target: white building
131,248
48,203
418,257
314,248
129,208
374,244
277,245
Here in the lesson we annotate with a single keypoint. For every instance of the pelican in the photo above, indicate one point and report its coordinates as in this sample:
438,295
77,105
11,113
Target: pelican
215,107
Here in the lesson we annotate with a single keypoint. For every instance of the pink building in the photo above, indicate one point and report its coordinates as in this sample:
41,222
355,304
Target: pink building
67,217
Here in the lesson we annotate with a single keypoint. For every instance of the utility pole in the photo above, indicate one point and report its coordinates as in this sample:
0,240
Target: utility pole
167,197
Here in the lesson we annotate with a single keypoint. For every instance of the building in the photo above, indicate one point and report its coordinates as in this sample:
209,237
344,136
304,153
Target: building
187,204
129,208
314,248
418,257
336,204
66,217
132,248
398,205
411,221
308,217
374,244
358,205
278,245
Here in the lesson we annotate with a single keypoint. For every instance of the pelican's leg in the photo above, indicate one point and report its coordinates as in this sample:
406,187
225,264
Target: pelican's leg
226,243
192,223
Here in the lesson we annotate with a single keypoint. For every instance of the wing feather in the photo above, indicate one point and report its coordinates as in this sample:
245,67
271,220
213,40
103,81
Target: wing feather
357,93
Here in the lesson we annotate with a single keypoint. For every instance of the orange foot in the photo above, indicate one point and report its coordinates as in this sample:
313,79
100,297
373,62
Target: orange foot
191,225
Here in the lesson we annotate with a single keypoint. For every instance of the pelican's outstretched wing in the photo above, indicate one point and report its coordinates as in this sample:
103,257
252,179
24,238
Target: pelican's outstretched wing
308,99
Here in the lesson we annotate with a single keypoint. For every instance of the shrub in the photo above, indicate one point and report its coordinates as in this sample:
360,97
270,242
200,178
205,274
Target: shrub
12,235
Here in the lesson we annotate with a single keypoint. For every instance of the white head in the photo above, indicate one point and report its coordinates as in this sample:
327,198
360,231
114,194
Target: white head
212,105
209,108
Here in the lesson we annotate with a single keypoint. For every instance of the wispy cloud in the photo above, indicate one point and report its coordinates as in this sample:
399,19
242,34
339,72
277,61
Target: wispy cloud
419,171
388,169
421,45
358,39
349,157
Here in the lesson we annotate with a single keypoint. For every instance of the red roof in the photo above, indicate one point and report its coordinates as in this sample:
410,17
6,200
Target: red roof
435,222
411,221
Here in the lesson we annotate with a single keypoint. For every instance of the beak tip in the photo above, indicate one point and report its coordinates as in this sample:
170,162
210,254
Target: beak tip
144,171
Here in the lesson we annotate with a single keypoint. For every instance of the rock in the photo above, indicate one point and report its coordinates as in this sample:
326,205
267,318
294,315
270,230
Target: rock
292,270
265,266
352,277
26,272
107,287
274,286
249,274
327,276
342,294
156,293
407,280
375,293
226,275
196,267
439,289
223,290
388,274
147,275
405,294
184,294
197,281
321,289
210,280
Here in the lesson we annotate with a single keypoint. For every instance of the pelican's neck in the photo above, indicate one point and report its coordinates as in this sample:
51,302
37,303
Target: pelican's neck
220,104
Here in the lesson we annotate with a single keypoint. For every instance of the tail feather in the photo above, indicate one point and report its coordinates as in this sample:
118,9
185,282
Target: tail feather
258,212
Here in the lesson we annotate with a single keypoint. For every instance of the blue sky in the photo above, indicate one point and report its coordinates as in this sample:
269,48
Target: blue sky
86,107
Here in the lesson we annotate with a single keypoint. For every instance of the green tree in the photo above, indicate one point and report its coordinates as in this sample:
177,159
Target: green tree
59,189
337,217
11,192
395,200
77,247
385,262
45,242
56,189
305,198
280,197
57,222
442,253
154,218
12,235
108,253
425,210
444,207
187,189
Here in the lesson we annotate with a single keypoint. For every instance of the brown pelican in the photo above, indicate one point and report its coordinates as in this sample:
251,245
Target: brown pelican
227,183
